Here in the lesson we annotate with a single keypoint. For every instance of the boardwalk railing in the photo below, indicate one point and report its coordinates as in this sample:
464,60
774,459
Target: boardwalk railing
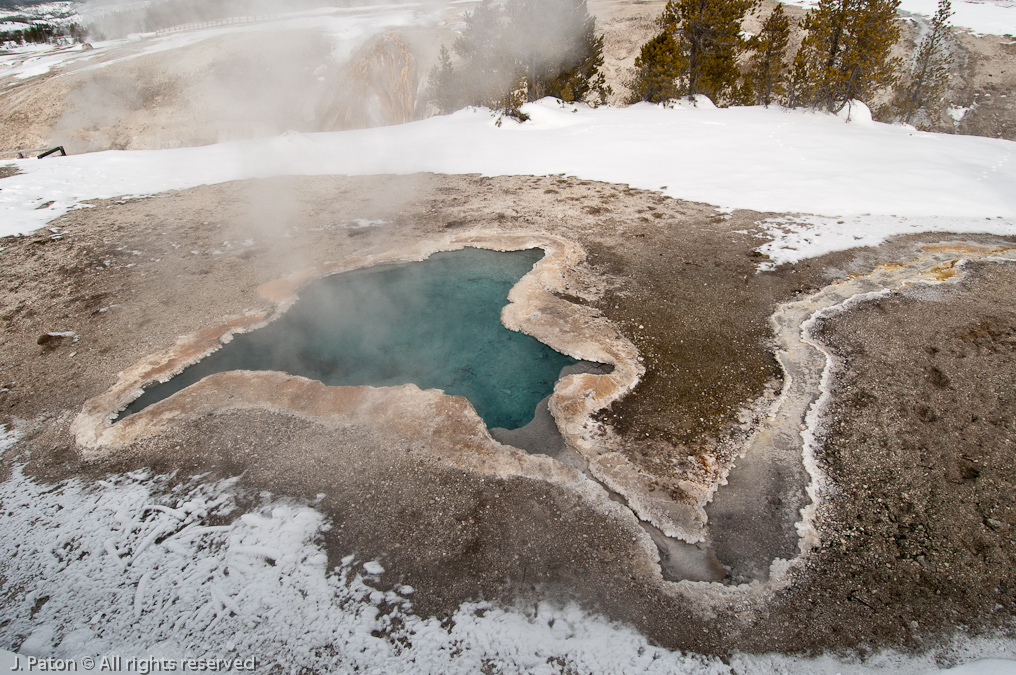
232,21
36,152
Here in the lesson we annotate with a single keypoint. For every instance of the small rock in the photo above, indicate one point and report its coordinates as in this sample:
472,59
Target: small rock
52,340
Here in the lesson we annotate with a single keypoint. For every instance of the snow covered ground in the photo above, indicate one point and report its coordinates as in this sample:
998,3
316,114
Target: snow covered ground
59,11
130,566
37,59
346,27
987,17
861,181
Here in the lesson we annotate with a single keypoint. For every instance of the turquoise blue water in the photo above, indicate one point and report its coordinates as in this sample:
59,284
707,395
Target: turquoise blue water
435,323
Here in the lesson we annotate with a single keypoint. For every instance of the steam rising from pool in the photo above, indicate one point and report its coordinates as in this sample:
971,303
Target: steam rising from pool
436,324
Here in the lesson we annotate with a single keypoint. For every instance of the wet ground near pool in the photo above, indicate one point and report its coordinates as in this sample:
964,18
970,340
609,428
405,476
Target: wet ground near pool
435,323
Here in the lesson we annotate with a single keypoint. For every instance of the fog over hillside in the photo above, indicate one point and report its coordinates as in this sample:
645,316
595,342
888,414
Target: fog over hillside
116,18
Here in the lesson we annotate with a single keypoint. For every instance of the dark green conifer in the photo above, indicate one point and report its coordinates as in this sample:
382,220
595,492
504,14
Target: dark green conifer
800,90
522,52
700,40
708,33
766,79
557,47
657,69
490,74
445,88
926,82
847,51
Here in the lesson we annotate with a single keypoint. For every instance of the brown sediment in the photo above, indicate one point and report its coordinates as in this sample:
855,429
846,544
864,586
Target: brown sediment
574,329
688,277
917,450
678,511
789,439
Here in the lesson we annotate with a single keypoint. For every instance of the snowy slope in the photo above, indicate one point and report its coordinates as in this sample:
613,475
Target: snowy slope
990,17
59,12
883,179
261,587
347,27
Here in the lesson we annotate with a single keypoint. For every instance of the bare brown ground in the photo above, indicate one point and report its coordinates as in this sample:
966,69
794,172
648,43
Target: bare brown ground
918,534
920,448
984,81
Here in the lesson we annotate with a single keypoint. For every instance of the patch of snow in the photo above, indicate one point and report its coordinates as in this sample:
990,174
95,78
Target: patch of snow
373,567
131,566
95,569
988,17
39,59
798,237
771,159
885,663
984,667
358,223
957,112
857,112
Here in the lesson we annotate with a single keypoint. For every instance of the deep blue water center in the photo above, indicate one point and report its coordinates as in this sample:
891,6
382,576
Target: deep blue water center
435,323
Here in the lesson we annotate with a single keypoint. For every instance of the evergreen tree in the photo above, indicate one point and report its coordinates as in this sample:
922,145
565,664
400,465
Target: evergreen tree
657,68
800,90
491,75
709,36
701,41
522,52
846,53
556,45
580,76
765,80
929,73
445,90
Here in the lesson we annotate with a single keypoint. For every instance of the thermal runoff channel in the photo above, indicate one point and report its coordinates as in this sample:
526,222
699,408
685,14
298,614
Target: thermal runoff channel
435,323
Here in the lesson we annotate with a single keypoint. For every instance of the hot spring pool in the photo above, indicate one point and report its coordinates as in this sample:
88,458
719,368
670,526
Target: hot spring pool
435,323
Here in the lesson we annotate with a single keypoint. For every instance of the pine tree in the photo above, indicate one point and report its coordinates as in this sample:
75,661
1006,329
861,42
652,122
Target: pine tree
557,47
704,45
657,68
800,90
490,75
445,89
929,72
580,76
847,50
765,80
709,35
522,52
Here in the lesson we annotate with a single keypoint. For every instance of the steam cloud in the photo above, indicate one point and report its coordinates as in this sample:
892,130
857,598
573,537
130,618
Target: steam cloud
360,67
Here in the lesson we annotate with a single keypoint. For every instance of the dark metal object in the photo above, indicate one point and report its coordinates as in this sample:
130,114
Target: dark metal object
49,152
